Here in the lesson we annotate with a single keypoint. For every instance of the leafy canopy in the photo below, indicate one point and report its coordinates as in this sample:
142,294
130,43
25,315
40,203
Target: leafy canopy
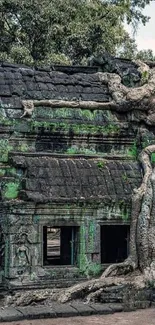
68,31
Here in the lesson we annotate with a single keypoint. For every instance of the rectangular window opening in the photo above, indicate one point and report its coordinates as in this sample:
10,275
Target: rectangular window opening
114,243
60,245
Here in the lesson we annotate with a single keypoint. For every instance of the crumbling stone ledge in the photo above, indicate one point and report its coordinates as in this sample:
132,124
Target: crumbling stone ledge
57,310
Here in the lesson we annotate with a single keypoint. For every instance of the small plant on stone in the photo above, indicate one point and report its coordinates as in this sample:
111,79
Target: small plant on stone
124,177
100,164
133,151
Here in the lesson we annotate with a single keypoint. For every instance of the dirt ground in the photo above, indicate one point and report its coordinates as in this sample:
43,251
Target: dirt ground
140,317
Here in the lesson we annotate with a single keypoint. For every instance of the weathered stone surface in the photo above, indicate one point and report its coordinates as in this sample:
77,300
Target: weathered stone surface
50,178
102,309
31,312
82,308
116,307
10,314
64,167
64,310
35,84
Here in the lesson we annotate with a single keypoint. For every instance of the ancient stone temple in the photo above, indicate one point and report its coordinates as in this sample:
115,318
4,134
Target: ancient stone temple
67,172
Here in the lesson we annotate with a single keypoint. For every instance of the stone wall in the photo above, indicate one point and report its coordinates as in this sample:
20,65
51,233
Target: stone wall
23,230
61,167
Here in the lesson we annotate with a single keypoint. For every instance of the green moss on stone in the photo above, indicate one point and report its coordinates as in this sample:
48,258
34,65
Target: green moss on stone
125,177
24,147
76,128
2,172
5,121
133,151
91,233
82,256
11,190
76,150
124,210
87,267
11,171
6,254
36,219
153,157
5,147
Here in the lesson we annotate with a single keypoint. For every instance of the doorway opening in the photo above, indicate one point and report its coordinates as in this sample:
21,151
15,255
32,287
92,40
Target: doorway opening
114,243
60,245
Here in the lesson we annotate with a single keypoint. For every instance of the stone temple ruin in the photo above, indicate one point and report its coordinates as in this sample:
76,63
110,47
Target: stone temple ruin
67,173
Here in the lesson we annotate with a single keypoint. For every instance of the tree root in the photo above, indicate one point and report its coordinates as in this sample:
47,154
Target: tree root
122,98
81,290
139,257
92,288
123,268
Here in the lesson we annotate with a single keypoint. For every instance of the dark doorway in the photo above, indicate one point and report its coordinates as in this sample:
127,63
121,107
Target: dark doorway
60,245
114,243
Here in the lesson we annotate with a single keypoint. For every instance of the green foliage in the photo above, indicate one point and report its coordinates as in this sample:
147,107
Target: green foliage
7,171
24,147
55,58
5,147
92,269
124,210
125,214
11,171
86,267
82,256
82,115
133,151
100,164
76,128
145,55
85,151
125,177
144,77
153,157
65,31
128,49
65,112
11,190
2,172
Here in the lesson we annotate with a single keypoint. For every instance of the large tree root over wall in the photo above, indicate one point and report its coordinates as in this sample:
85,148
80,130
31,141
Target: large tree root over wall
123,99
142,243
